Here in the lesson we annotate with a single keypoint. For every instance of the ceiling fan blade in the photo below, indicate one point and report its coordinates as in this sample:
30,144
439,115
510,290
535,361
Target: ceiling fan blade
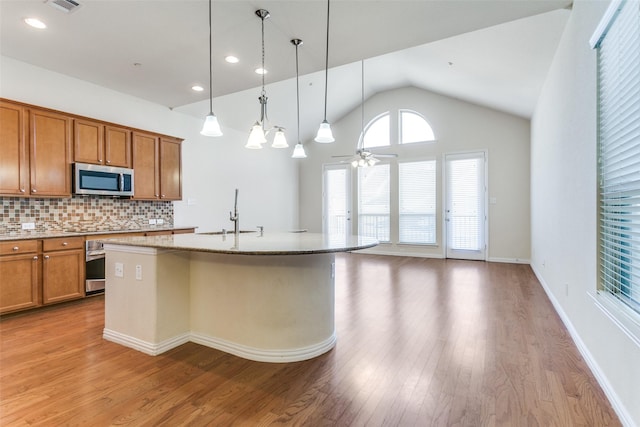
384,155
344,155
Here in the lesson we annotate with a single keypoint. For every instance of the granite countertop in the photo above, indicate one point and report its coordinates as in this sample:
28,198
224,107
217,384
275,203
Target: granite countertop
275,243
26,235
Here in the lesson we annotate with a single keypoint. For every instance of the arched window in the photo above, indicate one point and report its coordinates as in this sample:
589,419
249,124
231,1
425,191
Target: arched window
414,128
377,132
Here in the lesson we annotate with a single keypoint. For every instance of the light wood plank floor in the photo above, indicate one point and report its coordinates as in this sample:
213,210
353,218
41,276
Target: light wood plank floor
420,342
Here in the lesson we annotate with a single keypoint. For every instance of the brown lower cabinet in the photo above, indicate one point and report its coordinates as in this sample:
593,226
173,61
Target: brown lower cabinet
19,275
47,271
63,261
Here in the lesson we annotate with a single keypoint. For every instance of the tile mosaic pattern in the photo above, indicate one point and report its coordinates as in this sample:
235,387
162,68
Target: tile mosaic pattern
82,214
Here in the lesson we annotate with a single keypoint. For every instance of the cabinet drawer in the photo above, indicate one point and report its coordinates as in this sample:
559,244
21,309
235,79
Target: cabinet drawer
15,247
62,243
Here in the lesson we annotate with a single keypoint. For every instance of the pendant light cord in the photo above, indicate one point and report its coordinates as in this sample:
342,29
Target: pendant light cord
362,103
326,65
210,64
297,93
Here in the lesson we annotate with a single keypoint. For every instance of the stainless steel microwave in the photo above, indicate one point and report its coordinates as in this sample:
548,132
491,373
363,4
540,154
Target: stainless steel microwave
102,180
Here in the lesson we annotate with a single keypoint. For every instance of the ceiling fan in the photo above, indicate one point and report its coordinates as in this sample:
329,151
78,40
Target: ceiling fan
364,157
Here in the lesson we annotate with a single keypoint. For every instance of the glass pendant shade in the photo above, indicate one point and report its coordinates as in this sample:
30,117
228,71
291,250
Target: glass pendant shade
256,137
324,133
298,152
211,126
279,140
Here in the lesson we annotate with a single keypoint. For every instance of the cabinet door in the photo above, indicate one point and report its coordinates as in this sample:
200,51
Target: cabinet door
14,159
170,170
117,147
145,166
62,276
88,144
50,147
19,286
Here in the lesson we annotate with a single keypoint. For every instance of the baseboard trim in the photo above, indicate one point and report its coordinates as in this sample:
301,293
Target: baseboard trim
618,407
510,260
246,352
144,346
260,355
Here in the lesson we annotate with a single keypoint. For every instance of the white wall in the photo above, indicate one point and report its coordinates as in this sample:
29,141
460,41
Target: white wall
211,167
459,126
564,210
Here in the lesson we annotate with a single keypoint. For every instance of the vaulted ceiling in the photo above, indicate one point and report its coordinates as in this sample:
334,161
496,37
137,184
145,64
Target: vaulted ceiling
491,52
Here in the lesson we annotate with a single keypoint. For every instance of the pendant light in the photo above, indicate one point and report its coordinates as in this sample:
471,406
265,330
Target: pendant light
211,126
298,150
258,133
324,131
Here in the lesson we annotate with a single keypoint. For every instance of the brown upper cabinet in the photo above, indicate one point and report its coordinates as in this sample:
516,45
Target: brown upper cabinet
14,154
50,153
38,146
35,160
157,166
101,144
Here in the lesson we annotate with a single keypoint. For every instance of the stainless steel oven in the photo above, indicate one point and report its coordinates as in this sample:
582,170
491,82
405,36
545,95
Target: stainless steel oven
94,267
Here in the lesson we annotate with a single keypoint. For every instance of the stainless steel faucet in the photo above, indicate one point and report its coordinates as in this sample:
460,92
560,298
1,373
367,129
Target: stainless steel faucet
235,217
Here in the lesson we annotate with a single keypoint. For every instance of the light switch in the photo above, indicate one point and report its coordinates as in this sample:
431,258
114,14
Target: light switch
119,269
138,272
492,200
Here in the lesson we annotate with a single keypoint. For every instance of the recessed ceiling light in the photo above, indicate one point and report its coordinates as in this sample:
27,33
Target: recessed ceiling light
197,88
231,59
261,71
35,23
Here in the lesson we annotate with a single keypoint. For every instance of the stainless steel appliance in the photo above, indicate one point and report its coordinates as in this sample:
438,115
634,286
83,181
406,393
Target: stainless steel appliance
94,269
102,180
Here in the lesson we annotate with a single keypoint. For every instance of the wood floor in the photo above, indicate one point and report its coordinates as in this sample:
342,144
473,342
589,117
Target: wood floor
420,342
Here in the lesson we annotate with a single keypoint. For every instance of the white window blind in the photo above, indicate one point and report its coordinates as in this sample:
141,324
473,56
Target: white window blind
619,155
373,202
417,202
465,211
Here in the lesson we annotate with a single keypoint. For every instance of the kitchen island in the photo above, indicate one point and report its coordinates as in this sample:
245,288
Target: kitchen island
261,296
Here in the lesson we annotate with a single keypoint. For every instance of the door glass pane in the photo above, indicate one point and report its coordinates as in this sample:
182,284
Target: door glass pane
373,202
465,214
336,201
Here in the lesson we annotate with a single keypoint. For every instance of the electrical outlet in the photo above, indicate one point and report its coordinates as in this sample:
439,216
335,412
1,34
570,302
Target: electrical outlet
119,269
160,221
28,225
138,272
152,222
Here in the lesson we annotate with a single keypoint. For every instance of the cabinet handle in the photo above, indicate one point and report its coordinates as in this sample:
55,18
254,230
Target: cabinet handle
34,190
35,258
22,190
15,248
156,195
100,160
163,196
64,243
46,257
108,161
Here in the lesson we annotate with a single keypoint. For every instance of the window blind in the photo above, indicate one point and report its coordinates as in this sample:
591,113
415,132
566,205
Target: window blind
417,202
465,211
619,155
373,202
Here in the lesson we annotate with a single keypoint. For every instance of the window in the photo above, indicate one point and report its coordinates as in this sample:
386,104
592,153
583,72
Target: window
377,132
414,128
417,202
373,202
617,41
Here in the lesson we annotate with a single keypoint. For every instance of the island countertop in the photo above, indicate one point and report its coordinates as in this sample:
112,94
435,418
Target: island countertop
255,243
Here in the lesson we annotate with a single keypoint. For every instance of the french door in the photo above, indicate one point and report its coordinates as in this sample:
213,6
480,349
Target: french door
465,201
336,217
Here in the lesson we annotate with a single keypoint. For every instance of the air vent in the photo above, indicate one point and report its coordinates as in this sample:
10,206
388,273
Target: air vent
67,6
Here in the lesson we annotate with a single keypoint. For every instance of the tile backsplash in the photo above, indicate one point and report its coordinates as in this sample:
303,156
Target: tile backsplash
79,213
